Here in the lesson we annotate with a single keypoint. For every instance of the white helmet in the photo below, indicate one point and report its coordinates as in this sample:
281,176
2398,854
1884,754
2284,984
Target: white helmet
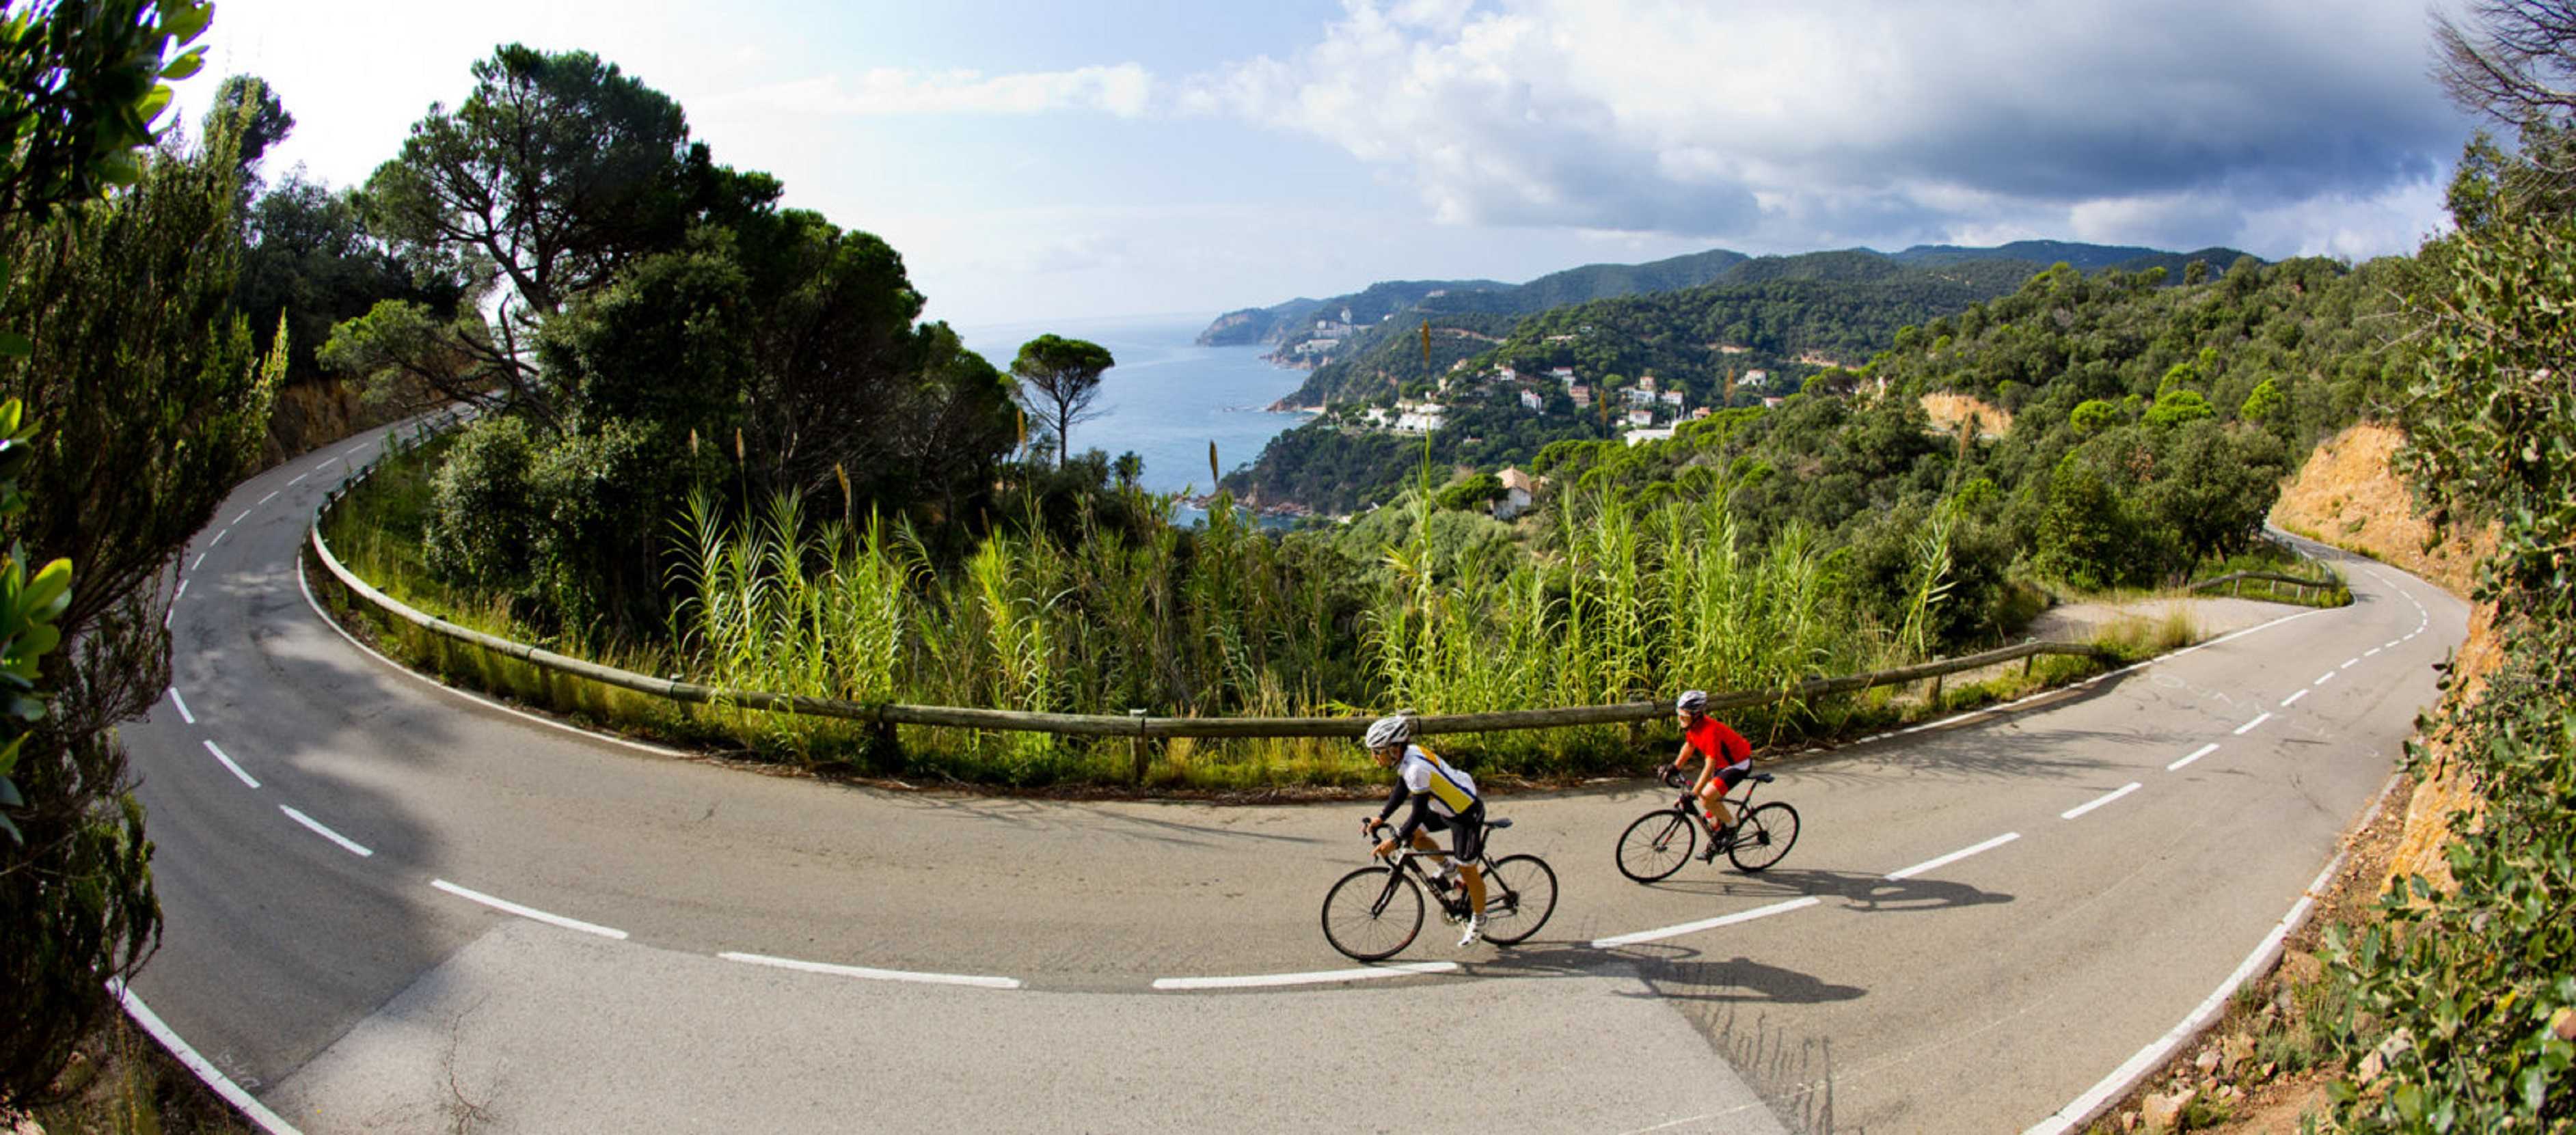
1392,730
1691,701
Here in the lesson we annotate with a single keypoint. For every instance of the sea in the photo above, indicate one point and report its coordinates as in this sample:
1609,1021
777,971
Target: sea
1167,398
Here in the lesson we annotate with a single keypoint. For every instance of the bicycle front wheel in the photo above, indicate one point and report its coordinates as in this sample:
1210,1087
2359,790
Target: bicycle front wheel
1764,837
1373,913
1657,845
1520,892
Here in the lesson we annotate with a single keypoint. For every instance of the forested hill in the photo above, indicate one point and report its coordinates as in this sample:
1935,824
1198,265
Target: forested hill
2011,345
1365,361
2081,257
1371,305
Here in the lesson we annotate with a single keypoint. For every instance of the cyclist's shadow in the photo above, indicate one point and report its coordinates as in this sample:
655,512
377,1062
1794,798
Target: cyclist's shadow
1866,893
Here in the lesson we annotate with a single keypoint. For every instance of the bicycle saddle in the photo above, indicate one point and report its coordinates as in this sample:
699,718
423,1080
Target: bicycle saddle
1762,778
1504,823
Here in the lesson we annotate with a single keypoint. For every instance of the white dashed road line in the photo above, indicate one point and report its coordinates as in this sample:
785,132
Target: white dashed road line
183,590
2098,801
2349,663
2324,678
182,703
228,763
529,912
2196,754
2248,727
299,478
1953,857
244,516
1703,924
219,538
201,560
878,974
264,500
346,844
2285,702
1320,977
2372,651
2391,644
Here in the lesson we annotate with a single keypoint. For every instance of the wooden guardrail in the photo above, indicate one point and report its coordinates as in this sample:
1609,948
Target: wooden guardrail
1135,724
2237,579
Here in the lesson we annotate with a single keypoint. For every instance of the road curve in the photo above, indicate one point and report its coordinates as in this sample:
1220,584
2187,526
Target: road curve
390,906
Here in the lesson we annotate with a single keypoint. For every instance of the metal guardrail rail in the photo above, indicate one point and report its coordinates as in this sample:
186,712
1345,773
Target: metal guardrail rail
1136,724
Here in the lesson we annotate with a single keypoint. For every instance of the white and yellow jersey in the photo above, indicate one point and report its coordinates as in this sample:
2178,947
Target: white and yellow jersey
1452,792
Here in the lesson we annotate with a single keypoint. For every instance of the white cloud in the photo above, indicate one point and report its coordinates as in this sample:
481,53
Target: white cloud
1863,119
1124,90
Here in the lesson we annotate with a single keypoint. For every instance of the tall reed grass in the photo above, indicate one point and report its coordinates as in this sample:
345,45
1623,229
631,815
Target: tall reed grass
1622,601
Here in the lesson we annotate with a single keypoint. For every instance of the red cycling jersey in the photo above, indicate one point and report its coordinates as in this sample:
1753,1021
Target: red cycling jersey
1715,741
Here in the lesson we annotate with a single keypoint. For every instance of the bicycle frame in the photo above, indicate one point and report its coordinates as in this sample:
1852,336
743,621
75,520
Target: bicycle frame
1405,861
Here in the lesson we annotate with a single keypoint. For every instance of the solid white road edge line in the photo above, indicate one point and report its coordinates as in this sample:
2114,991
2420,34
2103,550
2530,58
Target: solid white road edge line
2196,754
435,684
2098,801
529,911
1613,943
2248,727
205,1069
876,974
2128,1076
1953,857
182,703
1264,980
2285,702
228,763
353,847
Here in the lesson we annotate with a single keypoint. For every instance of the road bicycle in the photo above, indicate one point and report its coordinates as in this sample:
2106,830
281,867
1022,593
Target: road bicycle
1659,842
1373,913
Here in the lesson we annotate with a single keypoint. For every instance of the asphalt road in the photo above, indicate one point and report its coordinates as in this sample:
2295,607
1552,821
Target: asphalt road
694,947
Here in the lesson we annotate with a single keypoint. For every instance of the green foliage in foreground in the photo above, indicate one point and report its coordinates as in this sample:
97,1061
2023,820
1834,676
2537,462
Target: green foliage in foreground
2459,991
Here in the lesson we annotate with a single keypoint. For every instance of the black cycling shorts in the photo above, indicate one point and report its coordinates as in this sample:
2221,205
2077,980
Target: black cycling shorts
1732,775
1466,832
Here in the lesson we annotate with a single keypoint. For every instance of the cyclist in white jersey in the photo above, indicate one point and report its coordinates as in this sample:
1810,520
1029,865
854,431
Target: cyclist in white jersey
1444,799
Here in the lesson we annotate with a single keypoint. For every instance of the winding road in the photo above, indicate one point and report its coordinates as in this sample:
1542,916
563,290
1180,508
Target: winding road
394,907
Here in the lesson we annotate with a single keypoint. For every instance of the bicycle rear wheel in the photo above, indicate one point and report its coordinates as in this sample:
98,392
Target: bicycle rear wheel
1764,837
1520,892
1657,844
1372,913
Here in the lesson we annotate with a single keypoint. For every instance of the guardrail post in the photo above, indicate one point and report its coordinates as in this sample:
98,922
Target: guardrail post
1138,748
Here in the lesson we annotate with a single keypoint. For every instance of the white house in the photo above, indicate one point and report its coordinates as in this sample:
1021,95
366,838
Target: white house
1641,437
1561,374
1672,398
1641,417
1581,394
1420,419
1531,399
1759,378
1509,374
1518,489
1317,346
1646,383
1639,396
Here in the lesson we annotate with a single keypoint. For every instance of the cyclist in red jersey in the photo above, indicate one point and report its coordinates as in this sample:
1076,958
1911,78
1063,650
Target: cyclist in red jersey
1727,758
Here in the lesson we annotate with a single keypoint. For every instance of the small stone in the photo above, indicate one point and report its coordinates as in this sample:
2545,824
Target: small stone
2207,1061
2128,1121
2236,1051
2563,1022
2301,966
2271,1068
2164,1112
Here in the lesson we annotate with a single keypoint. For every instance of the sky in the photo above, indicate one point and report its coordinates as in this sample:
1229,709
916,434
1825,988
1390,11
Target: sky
1038,160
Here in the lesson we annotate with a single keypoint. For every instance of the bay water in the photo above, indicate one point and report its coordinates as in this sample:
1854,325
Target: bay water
1167,398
